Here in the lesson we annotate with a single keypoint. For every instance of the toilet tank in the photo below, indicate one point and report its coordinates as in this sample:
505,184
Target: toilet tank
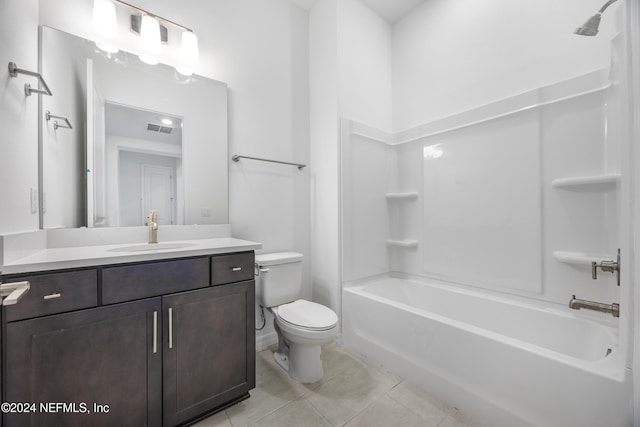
280,277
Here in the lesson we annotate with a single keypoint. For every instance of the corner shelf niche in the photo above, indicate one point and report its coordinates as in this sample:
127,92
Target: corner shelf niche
399,197
594,183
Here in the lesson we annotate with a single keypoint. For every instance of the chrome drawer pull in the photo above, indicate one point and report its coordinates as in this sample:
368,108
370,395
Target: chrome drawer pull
236,269
52,296
155,332
170,328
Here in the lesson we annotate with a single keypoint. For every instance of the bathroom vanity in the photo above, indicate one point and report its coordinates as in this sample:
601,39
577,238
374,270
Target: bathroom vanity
145,337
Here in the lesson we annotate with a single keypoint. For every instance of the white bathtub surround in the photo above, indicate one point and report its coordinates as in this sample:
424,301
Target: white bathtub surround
505,206
487,196
509,363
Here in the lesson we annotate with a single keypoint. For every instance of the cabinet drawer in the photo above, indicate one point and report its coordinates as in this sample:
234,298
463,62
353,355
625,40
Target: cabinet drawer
232,268
131,282
55,293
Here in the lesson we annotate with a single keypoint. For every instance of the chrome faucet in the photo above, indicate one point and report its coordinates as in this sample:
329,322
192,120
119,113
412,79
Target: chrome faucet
577,304
152,223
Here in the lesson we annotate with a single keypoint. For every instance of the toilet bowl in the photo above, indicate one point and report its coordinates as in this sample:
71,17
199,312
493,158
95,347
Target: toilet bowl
302,326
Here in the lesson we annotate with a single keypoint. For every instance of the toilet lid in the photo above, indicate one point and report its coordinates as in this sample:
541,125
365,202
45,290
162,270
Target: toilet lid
308,315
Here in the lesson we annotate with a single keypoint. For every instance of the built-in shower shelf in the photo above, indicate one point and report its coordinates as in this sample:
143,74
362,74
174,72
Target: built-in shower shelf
403,243
597,183
580,258
412,195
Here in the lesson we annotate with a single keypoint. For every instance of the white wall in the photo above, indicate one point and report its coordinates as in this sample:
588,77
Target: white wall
364,65
452,55
350,77
18,115
323,92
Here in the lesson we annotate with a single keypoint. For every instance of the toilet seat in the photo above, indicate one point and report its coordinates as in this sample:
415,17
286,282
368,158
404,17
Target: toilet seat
307,315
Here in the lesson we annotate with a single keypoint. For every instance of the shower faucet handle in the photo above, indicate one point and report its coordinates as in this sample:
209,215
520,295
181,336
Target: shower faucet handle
609,266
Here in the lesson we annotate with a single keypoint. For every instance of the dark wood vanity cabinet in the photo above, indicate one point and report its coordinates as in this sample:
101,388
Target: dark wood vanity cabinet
209,354
100,356
181,349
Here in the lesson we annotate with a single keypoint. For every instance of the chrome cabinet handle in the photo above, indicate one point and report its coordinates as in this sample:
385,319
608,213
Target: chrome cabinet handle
236,269
155,332
170,328
52,296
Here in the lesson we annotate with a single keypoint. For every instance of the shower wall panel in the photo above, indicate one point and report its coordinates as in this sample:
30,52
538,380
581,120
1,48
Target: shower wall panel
482,205
518,196
368,173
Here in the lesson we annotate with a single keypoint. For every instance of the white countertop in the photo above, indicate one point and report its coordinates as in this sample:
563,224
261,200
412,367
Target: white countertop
86,256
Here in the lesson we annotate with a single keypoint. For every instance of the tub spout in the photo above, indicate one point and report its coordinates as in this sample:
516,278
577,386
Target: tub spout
577,304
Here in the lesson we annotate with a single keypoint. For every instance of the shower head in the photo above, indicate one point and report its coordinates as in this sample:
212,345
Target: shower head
590,28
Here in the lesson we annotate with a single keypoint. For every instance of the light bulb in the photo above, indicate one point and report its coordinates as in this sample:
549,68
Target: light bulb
105,24
150,36
189,53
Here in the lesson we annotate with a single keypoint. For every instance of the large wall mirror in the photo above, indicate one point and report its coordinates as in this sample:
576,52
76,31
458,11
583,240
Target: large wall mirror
141,137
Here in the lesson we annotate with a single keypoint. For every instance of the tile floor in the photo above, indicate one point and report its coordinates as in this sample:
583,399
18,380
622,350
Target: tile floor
351,393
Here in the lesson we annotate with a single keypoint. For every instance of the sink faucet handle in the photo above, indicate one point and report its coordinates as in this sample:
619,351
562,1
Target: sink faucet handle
152,222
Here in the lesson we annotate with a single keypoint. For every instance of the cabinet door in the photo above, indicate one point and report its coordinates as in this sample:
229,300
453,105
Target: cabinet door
208,350
66,363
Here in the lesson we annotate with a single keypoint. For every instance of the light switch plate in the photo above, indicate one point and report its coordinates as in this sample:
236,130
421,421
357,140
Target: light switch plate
34,201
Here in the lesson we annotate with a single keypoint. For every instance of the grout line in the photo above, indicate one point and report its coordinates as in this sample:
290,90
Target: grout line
433,403
318,411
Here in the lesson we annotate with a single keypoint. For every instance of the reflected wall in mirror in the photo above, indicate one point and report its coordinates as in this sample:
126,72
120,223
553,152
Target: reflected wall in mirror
99,173
142,147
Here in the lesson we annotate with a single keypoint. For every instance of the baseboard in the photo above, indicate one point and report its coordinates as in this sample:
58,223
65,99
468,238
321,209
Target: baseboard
263,341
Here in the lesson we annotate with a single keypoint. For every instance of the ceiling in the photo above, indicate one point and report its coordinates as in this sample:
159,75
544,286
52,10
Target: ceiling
132,123
390,10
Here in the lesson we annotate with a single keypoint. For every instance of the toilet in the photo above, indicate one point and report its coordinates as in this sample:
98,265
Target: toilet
302,326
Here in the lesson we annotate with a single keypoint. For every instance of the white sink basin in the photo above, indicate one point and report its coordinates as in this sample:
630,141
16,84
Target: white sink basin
152,247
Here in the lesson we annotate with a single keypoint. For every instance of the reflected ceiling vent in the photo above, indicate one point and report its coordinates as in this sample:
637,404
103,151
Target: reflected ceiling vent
159,128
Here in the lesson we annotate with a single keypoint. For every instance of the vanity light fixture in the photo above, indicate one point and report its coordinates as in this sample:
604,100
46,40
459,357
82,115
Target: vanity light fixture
104,22
189,53
152,33
150,36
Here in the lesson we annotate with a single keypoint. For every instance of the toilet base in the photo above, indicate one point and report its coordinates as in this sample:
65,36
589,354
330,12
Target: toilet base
303,363
282,360
300,355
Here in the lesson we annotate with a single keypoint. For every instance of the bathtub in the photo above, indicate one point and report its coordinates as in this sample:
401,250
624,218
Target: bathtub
504,362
